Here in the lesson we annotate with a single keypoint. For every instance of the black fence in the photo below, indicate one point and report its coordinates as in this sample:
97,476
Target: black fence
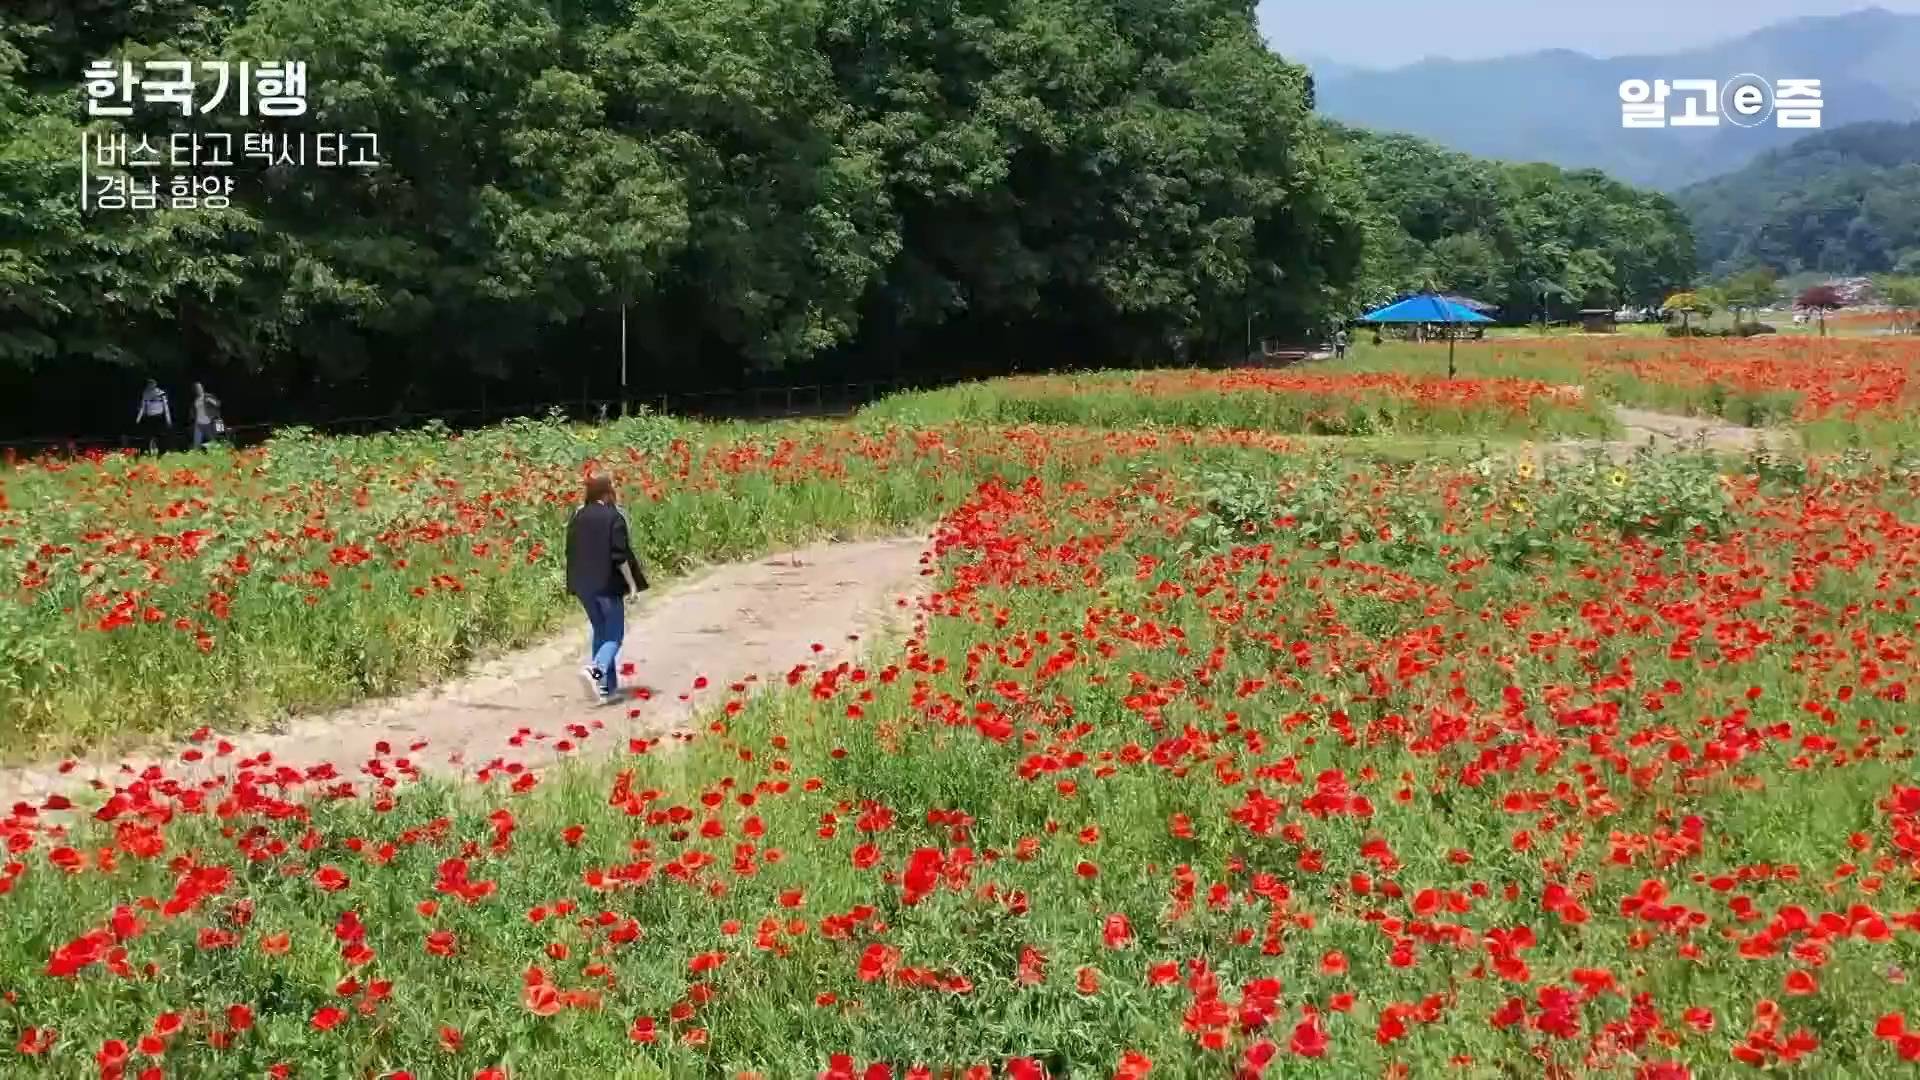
823,400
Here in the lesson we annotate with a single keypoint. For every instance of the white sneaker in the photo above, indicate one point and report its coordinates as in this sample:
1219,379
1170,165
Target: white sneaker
590,678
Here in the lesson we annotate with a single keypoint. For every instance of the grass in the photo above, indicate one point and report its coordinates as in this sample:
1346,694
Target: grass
1314,401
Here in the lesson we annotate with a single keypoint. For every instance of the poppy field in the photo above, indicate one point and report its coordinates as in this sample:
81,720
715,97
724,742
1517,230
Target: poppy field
1840,391
144,596
1208,755
1323,400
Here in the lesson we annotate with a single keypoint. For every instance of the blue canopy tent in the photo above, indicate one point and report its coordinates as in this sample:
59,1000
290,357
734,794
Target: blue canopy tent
1426,308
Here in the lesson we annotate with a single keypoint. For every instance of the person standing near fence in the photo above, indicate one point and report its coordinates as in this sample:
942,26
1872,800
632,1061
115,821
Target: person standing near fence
1340,344
603,573
154,417
207,422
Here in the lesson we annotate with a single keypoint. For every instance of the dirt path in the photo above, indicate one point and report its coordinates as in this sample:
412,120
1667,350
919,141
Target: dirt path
744,622
1666,431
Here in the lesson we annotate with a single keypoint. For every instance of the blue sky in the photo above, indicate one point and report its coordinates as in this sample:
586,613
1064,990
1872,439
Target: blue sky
1387,33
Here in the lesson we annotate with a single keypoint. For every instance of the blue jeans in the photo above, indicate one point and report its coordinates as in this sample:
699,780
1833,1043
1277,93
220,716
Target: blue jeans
607,616
202,435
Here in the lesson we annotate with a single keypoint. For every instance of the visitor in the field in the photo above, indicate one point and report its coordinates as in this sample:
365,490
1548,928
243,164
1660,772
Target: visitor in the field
207,423
154,417
1340,344
603,573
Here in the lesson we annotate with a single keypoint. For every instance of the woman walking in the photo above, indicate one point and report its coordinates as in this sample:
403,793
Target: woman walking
207,422
603,573
154,417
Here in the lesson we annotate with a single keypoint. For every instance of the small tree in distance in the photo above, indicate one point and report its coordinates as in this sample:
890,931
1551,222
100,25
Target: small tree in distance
1688,304
1821,298
1749,291
1902,294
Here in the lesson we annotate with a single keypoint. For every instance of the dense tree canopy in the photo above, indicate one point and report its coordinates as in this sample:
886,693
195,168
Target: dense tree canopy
1513,234
761,185
1838,202
855,186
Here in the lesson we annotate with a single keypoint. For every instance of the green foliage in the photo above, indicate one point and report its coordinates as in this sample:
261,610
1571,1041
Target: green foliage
1308,405
1737,330
1839,201
1657,496
1687,305
149,284
1902,294
1233,506
1749,290
1690,302
1528,514
1313,502
757,184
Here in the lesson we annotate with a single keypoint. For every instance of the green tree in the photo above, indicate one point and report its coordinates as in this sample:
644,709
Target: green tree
1688,304
1902,294
1841,201
1749,291
1589,276
747,187
1469,263
142,288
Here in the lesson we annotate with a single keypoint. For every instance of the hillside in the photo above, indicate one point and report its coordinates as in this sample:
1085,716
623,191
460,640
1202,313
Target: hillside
1513,235
1841,201
1563,107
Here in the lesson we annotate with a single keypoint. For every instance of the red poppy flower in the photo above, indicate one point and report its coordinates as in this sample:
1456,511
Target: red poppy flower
35,1041
1309,1039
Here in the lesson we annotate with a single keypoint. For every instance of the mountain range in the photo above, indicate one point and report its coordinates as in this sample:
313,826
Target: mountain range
1563,107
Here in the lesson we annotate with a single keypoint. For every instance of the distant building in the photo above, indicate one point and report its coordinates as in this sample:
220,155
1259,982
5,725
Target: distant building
1597,320
1854,290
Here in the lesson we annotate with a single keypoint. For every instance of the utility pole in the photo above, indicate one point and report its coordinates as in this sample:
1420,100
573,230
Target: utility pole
623,355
